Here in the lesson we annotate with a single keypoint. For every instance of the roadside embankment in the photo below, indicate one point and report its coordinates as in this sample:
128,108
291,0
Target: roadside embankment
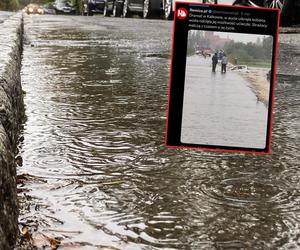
257,79
287,64
258,83
11,114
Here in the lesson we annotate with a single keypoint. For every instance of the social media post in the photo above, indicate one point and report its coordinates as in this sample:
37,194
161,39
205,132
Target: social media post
222,78
209,18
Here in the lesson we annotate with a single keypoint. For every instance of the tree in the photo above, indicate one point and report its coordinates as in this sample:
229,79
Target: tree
196,40
9,5
78,4
261,51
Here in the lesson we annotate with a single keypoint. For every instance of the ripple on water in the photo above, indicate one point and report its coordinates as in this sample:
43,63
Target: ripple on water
100,175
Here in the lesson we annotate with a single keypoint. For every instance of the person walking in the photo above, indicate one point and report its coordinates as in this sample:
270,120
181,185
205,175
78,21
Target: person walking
214,62
224,63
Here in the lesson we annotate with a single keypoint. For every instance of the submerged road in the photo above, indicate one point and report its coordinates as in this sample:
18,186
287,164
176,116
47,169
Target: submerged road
4,15
221,109
95,171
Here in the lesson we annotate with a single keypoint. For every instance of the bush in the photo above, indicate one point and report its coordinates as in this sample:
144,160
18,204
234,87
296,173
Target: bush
9,5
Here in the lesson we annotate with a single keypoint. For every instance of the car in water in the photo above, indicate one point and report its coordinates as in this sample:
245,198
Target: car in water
64,7
204,51
33,9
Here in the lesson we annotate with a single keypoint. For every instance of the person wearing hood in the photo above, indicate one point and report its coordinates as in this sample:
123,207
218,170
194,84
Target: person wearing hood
214,62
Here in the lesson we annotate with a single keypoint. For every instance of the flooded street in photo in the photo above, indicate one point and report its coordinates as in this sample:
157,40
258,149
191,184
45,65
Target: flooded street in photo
95,173
221,109
4,15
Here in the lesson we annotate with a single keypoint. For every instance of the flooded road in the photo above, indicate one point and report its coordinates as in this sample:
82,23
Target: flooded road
221,109
95,173
4,15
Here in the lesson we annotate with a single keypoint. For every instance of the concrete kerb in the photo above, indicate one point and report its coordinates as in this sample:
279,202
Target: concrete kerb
288,54
11,114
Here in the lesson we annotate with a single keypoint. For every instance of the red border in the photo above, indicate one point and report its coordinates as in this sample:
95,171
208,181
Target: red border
170,81
272,90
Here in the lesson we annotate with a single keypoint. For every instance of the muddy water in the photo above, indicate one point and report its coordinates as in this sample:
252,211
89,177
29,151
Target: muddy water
95,172
4,15
221,109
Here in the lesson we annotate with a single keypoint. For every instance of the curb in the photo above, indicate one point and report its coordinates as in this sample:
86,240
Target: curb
11,115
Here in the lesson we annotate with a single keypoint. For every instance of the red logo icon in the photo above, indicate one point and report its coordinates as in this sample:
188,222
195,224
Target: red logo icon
182,13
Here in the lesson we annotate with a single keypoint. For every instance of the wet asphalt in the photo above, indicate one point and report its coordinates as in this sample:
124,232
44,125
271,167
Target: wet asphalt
95,171
221,109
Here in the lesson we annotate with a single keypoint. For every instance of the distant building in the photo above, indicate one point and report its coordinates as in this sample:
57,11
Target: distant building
215,41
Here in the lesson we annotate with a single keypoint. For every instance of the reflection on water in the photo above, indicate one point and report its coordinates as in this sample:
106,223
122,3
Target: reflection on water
95,170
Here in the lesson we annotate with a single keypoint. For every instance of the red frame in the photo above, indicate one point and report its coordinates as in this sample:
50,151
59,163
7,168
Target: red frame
272,89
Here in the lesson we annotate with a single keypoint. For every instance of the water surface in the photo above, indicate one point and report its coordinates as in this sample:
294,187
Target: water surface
95,171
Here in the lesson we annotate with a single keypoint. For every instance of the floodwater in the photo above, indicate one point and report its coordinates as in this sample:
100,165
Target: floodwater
95,173
4,15
221,109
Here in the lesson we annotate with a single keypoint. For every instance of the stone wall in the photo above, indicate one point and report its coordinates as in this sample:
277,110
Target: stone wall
11,114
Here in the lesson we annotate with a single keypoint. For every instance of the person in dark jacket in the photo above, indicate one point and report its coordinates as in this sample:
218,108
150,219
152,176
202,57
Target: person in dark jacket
214,62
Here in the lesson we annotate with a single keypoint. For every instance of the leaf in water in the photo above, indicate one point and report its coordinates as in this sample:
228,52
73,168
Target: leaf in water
54,242
21,178
26,234
25,177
